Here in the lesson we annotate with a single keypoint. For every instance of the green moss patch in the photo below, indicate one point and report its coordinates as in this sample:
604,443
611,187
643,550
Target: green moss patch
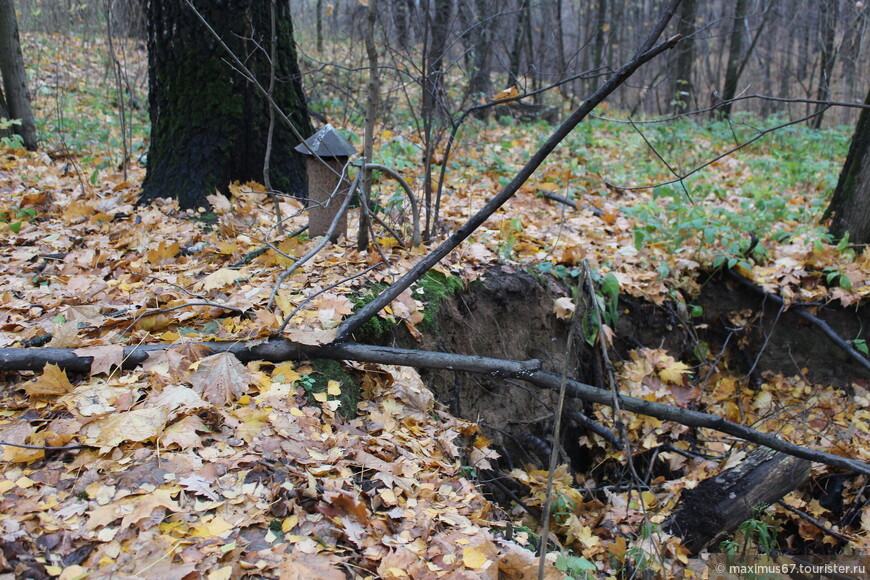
432,289
317,381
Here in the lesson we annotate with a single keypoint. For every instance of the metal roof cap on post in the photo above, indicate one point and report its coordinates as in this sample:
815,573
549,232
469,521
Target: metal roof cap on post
327,142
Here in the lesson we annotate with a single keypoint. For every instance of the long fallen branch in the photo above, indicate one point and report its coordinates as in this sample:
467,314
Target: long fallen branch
279,349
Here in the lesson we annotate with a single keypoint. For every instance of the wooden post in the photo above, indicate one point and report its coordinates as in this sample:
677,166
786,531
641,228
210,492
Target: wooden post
328,154
326,194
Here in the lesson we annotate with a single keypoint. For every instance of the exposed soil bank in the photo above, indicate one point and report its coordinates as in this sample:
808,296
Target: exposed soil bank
509,314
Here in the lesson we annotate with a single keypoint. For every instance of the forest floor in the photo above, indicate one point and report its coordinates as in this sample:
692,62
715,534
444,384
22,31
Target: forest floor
200,464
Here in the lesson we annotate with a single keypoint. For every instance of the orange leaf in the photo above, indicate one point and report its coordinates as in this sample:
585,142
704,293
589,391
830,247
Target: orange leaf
53,381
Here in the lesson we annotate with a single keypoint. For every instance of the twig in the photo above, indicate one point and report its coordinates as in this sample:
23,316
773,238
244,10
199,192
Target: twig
327,289
570,202
710,162
47,447
554,452
267,180
412,199
178,307
597,428
813,521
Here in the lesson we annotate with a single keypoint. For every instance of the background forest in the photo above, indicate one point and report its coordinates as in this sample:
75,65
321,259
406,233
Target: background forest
654,354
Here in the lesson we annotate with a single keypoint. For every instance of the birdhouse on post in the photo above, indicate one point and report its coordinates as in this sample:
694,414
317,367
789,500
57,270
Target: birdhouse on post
328,187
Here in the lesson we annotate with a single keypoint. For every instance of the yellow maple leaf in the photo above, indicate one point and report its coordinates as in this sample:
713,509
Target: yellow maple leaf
674,371
473,557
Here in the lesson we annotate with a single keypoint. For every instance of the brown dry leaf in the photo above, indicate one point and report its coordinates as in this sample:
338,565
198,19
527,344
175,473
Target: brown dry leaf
220,378
312,337
673,372
184,433
164,251
298,565
564,308
144,506
220,279
20,433
52,381
135,425
105,357
508,93
219,203
65,335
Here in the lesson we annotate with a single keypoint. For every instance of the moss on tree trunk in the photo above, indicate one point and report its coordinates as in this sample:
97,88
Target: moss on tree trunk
209,124
850,206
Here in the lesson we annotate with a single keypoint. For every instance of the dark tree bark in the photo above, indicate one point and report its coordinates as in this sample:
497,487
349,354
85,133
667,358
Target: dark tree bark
520,37
722,503
684,88
828,30
735,51
209,124
850,206
17,103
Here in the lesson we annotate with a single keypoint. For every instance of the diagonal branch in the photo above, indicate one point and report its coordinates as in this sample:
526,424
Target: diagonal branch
647,52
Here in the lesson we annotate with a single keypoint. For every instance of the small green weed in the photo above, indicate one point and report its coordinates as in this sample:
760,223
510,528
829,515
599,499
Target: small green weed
575,567
13,141
14,218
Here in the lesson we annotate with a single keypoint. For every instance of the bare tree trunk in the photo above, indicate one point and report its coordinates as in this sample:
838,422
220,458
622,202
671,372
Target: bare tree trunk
684,88
434,105
600,32
199,145
519,38
850,206
319,26
372,113
400,11
477,21
15,77
828,30
735,51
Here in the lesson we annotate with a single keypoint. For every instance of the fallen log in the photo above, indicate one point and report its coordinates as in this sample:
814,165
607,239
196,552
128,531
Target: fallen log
719,504
280,349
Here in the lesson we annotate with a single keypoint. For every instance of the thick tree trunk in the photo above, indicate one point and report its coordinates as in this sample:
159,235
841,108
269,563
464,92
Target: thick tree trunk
735,51
684,89
209,124
14,76
850,206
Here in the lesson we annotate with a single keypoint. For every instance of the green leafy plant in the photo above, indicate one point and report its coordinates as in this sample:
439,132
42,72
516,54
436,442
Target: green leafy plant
13,141
753,536
16,216
576,567
509,231
561,508
834,277
607,299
